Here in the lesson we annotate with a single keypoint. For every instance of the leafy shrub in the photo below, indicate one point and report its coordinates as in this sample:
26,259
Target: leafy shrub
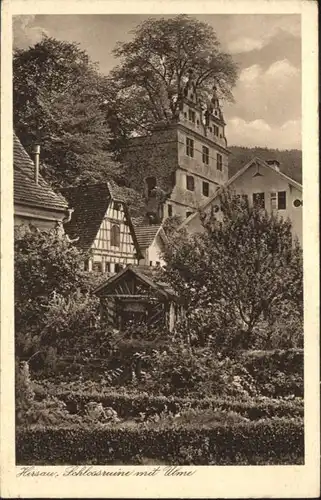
267,441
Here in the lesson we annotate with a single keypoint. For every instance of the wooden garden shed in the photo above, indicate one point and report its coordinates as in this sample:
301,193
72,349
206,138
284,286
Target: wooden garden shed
132,296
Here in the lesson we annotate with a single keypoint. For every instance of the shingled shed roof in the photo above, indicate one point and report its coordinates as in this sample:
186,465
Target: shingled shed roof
160,288
90,203
146,234
26,191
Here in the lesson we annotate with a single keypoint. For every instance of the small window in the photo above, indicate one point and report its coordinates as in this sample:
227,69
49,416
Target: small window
190,185
219,162
185,114
205,155
170,210
151,263
216,130
206,189
107,267
189,147
281,200
258,200
86,265
115,236
97,267
117,205
191,115
188,214
118,267
273,201
197,122
210,129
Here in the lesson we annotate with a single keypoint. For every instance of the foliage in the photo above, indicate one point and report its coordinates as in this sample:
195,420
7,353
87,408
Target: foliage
48,269
59,101
242,269
267,441
171,224
154,67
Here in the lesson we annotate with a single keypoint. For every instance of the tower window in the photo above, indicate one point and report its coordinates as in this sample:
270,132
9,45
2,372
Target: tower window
258,200
189,147
115,236
219,162
170,210
190,184
206,189
216,130
151,184
191,115
205,155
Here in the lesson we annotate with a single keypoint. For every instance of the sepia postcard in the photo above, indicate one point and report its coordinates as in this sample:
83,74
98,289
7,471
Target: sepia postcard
159,249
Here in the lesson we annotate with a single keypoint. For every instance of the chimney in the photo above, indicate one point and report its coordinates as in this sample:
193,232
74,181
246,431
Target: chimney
36,152
275,164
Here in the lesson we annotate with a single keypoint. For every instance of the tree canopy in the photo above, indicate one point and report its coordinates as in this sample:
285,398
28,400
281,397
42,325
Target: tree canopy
241,269
155,65
59,101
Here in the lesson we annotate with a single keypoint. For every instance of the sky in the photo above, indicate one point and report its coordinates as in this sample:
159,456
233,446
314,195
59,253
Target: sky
267,49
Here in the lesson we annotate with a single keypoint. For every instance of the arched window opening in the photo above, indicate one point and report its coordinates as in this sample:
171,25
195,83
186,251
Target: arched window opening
115,236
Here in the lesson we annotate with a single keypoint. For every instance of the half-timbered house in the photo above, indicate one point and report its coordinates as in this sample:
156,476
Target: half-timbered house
103,226
135,295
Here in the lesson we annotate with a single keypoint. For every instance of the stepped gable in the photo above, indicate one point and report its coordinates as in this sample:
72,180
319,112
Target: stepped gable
26,190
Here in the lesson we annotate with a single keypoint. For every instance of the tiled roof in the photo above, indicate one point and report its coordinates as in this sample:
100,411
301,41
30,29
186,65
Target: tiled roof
90,203
26,191
145,234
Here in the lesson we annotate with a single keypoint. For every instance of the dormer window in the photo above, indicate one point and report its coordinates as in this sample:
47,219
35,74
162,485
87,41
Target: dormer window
216,131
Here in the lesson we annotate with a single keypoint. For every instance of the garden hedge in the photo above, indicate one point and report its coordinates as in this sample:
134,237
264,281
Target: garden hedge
131,405
271,441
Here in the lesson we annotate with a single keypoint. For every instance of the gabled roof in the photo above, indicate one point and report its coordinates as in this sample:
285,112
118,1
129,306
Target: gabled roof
147,234
160,288
26,190
256,161
90,203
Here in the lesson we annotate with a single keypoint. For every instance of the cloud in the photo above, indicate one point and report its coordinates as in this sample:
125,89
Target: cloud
282,69
272,94
25,32
260,133
260,31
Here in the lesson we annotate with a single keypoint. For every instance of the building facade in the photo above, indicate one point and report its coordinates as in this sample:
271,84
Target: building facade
35,202
101,226
264,182
182,163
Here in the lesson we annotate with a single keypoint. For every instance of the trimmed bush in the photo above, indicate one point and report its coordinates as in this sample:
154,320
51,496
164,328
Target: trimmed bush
270,441
131,405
